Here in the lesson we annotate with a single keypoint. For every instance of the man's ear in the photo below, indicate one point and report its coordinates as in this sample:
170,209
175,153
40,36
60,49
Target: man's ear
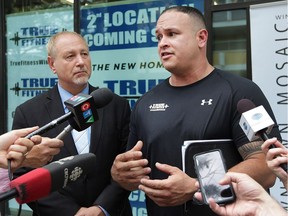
51,64
202,36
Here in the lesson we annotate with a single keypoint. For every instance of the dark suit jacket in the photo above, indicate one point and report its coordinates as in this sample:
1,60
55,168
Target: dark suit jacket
108,138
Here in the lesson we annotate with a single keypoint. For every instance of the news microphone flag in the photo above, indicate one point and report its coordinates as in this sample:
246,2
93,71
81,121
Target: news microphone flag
254,120
82,107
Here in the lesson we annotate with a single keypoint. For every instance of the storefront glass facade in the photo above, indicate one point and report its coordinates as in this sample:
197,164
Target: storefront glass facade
119,34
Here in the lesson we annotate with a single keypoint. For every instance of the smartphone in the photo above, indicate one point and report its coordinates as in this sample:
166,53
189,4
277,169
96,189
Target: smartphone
210,169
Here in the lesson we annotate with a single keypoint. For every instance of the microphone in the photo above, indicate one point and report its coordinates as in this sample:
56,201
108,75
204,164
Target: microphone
103,97
255,122
82,111
40,182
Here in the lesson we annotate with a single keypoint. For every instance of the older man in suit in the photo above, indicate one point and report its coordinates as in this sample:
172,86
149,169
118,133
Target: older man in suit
96,194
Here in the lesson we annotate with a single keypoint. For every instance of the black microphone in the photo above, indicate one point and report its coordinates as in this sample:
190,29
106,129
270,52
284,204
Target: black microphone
82,111
255,122
40,182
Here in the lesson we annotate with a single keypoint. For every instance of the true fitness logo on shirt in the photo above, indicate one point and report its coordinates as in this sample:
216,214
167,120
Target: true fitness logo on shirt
158,107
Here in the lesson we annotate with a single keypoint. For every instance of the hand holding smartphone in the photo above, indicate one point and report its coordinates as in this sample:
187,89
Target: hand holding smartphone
210,169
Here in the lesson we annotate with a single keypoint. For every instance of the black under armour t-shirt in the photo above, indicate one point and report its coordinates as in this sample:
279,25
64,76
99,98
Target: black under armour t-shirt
166,116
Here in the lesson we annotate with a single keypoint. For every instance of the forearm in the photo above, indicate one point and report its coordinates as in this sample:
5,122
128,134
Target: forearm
256,167
268,206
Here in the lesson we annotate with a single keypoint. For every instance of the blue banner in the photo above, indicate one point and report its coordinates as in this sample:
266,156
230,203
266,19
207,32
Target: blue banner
126,26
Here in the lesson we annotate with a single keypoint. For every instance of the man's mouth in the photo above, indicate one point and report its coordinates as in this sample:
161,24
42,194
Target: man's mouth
165,54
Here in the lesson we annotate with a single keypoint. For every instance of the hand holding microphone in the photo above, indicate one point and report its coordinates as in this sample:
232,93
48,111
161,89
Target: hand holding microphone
42,153
275,158
82,114
14,147
256,122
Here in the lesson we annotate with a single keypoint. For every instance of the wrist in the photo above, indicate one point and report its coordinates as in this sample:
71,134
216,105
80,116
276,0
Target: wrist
268,206
194,190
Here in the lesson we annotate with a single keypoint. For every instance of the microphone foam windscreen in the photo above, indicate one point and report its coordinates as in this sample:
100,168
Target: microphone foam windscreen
33,185
102,97
244,105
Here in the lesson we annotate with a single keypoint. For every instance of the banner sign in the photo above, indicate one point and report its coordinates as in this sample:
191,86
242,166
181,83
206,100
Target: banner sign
269,46
28,71
126,26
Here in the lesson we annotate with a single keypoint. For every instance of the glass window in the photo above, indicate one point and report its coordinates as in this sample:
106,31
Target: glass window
18,6
220,2
29,25
229,42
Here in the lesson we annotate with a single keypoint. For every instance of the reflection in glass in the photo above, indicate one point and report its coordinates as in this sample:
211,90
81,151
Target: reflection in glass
220,2
18,6
229,41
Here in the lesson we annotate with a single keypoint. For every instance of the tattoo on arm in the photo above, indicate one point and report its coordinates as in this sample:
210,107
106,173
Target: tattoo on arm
250,148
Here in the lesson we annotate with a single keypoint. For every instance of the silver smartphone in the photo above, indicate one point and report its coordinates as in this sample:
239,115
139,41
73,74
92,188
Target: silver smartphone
210,169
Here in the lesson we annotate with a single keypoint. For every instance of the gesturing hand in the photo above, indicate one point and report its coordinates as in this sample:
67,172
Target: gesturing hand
129,168
175,190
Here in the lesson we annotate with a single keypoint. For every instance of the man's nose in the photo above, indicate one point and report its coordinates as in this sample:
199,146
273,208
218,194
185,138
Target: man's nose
80,60
163,42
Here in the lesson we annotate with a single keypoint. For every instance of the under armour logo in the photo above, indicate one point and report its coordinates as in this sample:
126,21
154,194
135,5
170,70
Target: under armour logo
208,102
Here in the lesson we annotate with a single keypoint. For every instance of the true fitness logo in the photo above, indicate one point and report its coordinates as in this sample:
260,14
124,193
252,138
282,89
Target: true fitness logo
34,36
